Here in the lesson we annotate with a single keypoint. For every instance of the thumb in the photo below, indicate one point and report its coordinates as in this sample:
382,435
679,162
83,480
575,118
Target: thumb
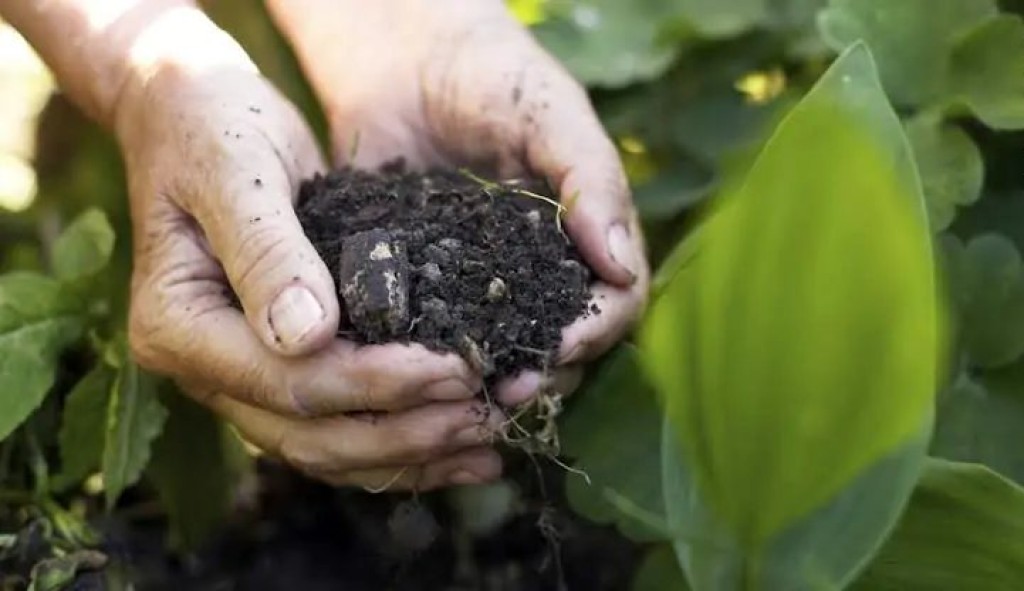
285,288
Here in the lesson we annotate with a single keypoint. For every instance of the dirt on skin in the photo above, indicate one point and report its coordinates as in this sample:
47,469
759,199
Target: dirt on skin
450,261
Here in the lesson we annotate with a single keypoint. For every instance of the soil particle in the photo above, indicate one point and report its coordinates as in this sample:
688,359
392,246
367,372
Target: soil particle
478,269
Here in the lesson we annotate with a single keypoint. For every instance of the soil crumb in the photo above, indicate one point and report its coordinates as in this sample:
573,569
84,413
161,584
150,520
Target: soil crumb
450,261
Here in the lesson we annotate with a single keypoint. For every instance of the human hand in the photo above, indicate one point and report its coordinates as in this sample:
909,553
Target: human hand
214,158
459,82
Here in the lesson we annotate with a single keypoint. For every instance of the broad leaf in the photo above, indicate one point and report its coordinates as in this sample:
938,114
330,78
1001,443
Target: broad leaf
135,417
36,323
987,282
801,345
196,463
607,42
911,39
84,247
981,420
724,18
986,73
619,462
670,193
824,550
963,529
83,426
950,166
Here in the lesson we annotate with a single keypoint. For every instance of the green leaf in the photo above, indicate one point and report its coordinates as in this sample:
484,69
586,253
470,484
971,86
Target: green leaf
659,571
83,427
986,73
801,344
950,166
36,323
607,42
981,420
58,573
824,550
620,459
674,191
911,39
963,529
85,246
724,18
135,417
987,282
196,464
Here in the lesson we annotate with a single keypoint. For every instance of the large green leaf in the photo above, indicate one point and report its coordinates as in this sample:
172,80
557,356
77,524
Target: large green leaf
196,463
801,345
986,73
619,462
724,18
823,550
911,39
607,42
950,166
963,530
84,247
135,417
83,426
987,283
36,323
981,420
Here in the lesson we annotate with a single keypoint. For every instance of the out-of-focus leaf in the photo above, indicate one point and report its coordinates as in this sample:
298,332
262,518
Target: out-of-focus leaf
135,417
673,191
985,73
83,427
196,464
981,420
911,39
987,282
963,529
950,166
801,345
85,246
58,573
659,571
621,459
724,18
823,550
528,12
610,43
36,323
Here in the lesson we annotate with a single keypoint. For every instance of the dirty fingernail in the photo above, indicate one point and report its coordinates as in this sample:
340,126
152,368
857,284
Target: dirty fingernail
620,248
294,314
448,389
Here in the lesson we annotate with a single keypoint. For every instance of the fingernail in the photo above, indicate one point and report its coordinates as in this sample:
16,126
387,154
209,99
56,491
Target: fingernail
465,477
522,389
620,248
294,314
448,389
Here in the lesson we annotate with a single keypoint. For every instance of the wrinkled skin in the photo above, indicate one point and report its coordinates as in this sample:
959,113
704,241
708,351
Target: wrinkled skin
214,158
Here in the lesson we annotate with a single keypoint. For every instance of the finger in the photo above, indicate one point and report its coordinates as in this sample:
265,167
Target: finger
477,465
246,212
182,324
524,387
340,444
592,335
370,138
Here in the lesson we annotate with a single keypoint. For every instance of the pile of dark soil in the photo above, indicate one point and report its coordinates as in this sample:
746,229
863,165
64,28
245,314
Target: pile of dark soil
450,261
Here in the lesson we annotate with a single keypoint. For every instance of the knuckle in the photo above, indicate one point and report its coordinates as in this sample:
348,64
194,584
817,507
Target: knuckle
262,248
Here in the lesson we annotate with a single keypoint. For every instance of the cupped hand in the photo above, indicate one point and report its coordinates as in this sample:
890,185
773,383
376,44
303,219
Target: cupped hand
214,158
459,82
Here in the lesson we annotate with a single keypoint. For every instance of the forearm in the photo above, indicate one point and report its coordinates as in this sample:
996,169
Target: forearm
96,47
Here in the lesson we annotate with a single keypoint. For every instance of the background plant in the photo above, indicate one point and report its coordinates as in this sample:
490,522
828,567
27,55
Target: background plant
692,91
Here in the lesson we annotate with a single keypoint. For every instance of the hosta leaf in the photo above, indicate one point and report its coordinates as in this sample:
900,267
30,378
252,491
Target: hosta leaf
987,283
620,460
911,39
963,529
83,426
801,345
607,42
950,166
84,247
986,73
135,417
981,420
36,323
196,464
823,550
